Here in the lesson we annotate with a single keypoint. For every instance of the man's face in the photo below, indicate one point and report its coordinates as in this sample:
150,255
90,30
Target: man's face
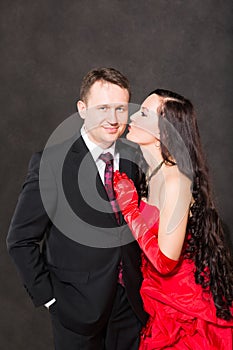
105,112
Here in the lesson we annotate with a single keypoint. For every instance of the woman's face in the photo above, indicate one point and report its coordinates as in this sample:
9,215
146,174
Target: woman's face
143,128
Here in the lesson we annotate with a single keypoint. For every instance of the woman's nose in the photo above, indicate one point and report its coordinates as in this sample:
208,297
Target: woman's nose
133,117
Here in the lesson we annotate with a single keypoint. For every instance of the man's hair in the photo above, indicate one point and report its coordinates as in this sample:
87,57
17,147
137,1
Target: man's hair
110,75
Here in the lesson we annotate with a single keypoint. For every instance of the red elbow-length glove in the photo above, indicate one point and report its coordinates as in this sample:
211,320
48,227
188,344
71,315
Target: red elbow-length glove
127,198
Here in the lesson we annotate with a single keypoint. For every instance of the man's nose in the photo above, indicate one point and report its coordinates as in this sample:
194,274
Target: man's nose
112,116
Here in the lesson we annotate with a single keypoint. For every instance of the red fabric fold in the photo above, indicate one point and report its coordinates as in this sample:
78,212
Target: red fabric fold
181,315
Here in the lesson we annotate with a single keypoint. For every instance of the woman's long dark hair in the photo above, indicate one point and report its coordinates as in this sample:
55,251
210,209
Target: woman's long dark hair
205,241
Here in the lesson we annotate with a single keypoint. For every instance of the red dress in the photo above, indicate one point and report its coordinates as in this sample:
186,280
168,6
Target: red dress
181,316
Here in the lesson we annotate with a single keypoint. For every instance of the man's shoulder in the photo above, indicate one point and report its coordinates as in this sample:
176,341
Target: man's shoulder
55,153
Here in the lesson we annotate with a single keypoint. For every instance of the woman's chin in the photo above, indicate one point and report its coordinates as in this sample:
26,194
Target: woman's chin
130,137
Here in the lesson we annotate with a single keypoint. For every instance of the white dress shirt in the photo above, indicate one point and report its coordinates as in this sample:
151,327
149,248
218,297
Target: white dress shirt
96,151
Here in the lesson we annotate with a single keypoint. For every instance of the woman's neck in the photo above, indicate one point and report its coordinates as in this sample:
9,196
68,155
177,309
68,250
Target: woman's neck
152,155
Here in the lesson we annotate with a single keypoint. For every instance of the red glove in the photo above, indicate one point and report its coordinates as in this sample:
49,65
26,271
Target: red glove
127,198
149,245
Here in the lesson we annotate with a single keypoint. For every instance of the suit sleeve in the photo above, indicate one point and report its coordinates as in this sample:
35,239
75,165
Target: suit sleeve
27,229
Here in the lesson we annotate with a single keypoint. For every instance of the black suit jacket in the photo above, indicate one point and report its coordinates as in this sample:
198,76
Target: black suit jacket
82,243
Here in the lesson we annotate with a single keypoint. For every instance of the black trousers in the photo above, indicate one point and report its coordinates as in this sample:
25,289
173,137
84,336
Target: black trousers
121,332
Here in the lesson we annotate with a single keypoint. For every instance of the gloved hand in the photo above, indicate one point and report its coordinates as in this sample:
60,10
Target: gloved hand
127,198
126,195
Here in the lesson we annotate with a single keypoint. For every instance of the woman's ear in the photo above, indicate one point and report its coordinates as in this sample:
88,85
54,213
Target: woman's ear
81,106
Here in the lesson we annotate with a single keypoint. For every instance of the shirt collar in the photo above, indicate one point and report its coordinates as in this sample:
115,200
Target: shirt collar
96,150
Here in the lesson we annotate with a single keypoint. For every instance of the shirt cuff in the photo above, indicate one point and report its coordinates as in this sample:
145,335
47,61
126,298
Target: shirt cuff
49,303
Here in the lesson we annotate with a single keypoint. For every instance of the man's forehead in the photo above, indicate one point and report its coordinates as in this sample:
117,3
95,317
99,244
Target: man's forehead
102,83
106,85
103,92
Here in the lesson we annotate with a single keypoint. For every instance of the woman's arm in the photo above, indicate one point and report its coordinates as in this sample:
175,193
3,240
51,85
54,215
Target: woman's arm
175,198
128,202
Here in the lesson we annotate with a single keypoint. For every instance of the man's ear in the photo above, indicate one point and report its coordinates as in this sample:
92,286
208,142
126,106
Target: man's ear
81,106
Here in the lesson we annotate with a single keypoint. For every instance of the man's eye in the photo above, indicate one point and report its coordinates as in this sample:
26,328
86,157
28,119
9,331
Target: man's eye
120,109
103,108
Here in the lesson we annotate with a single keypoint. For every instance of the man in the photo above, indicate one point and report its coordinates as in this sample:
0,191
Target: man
88,270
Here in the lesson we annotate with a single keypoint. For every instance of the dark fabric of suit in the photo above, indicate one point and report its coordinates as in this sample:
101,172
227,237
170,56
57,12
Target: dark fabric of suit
122,331
82,278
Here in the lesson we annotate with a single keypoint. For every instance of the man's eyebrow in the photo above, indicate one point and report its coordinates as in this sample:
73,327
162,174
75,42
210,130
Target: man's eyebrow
113,104
121,104
102,105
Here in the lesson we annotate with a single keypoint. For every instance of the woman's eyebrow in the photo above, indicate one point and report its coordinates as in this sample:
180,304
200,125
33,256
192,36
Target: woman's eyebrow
145,109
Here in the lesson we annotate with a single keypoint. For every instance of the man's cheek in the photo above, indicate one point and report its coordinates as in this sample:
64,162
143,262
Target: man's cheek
121,130
94,122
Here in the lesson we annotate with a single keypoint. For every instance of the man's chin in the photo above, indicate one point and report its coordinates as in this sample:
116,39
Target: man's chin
109,139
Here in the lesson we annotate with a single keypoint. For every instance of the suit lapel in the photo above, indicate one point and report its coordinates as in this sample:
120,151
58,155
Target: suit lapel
83,160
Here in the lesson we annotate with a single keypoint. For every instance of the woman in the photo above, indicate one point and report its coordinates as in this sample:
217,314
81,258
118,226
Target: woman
187,286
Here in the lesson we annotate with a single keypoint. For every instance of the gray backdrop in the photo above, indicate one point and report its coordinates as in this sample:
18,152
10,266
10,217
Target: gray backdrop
47,46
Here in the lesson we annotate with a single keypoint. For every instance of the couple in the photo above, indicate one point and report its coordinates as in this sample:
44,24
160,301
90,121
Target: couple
149,270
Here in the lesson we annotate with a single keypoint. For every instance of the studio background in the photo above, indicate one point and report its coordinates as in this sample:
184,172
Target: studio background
46,49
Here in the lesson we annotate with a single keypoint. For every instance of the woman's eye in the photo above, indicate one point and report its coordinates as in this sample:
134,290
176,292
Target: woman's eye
143,114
